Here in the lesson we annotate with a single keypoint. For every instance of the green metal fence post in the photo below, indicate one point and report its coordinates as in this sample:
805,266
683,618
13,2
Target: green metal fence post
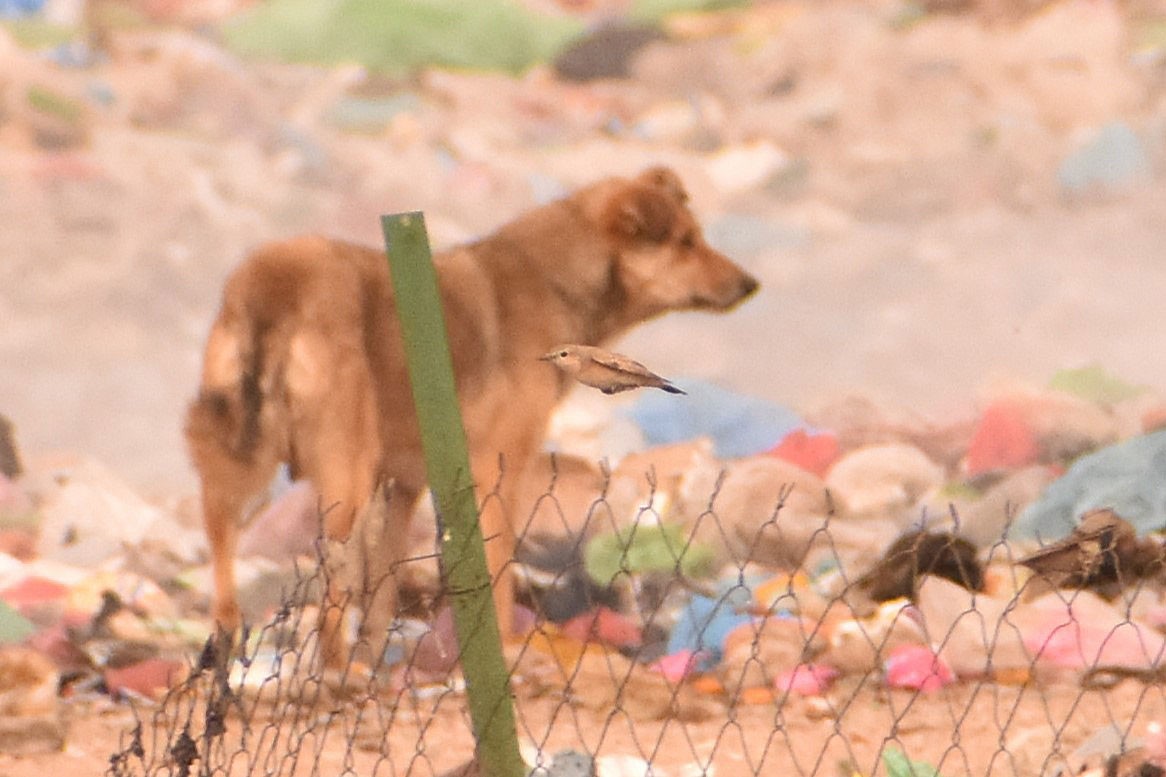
447,461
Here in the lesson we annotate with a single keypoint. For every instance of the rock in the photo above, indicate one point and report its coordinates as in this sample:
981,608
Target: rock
667,465
970,629
859,645
558,495
858,422
883,480
30,712
746,167
745,523
287,527
92,516
757,653
984,521
605,52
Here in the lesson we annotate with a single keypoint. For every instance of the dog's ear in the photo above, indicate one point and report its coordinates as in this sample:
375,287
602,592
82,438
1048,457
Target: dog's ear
665,179
641,212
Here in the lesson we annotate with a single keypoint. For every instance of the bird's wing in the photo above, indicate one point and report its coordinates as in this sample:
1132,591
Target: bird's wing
620,362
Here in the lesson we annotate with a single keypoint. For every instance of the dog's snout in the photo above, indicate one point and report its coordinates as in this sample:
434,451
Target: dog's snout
749,284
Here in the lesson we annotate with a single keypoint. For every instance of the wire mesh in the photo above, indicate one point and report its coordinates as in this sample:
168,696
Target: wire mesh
660,642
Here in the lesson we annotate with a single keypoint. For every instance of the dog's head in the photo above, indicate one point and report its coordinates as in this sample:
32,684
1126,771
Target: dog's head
661,260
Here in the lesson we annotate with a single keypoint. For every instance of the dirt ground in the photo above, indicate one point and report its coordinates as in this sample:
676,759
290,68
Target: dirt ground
967,729
911,197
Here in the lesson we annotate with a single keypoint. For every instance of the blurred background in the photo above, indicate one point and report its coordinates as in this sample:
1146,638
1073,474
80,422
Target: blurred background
940,198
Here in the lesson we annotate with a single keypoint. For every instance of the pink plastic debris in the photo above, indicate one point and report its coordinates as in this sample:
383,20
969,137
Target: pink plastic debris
916,667
678,666
806,679
1086,631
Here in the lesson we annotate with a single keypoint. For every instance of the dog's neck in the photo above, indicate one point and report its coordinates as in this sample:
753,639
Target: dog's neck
579,297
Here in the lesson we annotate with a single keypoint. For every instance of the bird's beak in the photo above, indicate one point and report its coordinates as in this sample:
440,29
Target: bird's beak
546,357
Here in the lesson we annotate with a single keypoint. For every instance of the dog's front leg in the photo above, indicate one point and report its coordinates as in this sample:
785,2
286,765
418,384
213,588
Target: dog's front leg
382,533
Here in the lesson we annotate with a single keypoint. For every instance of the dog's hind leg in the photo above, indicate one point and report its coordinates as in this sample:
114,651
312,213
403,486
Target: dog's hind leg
498,490
230,478
336,445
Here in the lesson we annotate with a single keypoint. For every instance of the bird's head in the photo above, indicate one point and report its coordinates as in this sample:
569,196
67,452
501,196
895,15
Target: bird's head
564,357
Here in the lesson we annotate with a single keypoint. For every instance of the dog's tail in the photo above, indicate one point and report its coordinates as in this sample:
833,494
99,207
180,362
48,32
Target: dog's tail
226,414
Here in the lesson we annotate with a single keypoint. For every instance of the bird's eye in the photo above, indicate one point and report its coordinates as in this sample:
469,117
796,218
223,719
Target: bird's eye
562,354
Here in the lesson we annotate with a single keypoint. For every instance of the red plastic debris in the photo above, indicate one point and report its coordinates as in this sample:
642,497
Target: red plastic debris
32,592
1003,439
151,678
814,453
603,625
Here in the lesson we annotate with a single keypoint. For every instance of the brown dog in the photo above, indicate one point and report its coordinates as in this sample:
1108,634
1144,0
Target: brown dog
305,362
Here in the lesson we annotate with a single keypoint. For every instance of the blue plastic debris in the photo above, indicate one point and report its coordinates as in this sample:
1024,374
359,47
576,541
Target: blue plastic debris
705,623
1114,159
739,425
1129,478
16,9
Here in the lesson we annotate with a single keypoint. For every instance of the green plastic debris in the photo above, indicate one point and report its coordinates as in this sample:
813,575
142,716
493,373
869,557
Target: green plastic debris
1094,384
897,764
649,547
400,36
14,627
53,104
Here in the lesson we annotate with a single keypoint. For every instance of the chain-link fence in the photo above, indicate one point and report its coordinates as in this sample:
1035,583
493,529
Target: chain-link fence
663,636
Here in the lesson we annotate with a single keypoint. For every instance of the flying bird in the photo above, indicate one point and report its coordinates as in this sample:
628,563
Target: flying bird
606,371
